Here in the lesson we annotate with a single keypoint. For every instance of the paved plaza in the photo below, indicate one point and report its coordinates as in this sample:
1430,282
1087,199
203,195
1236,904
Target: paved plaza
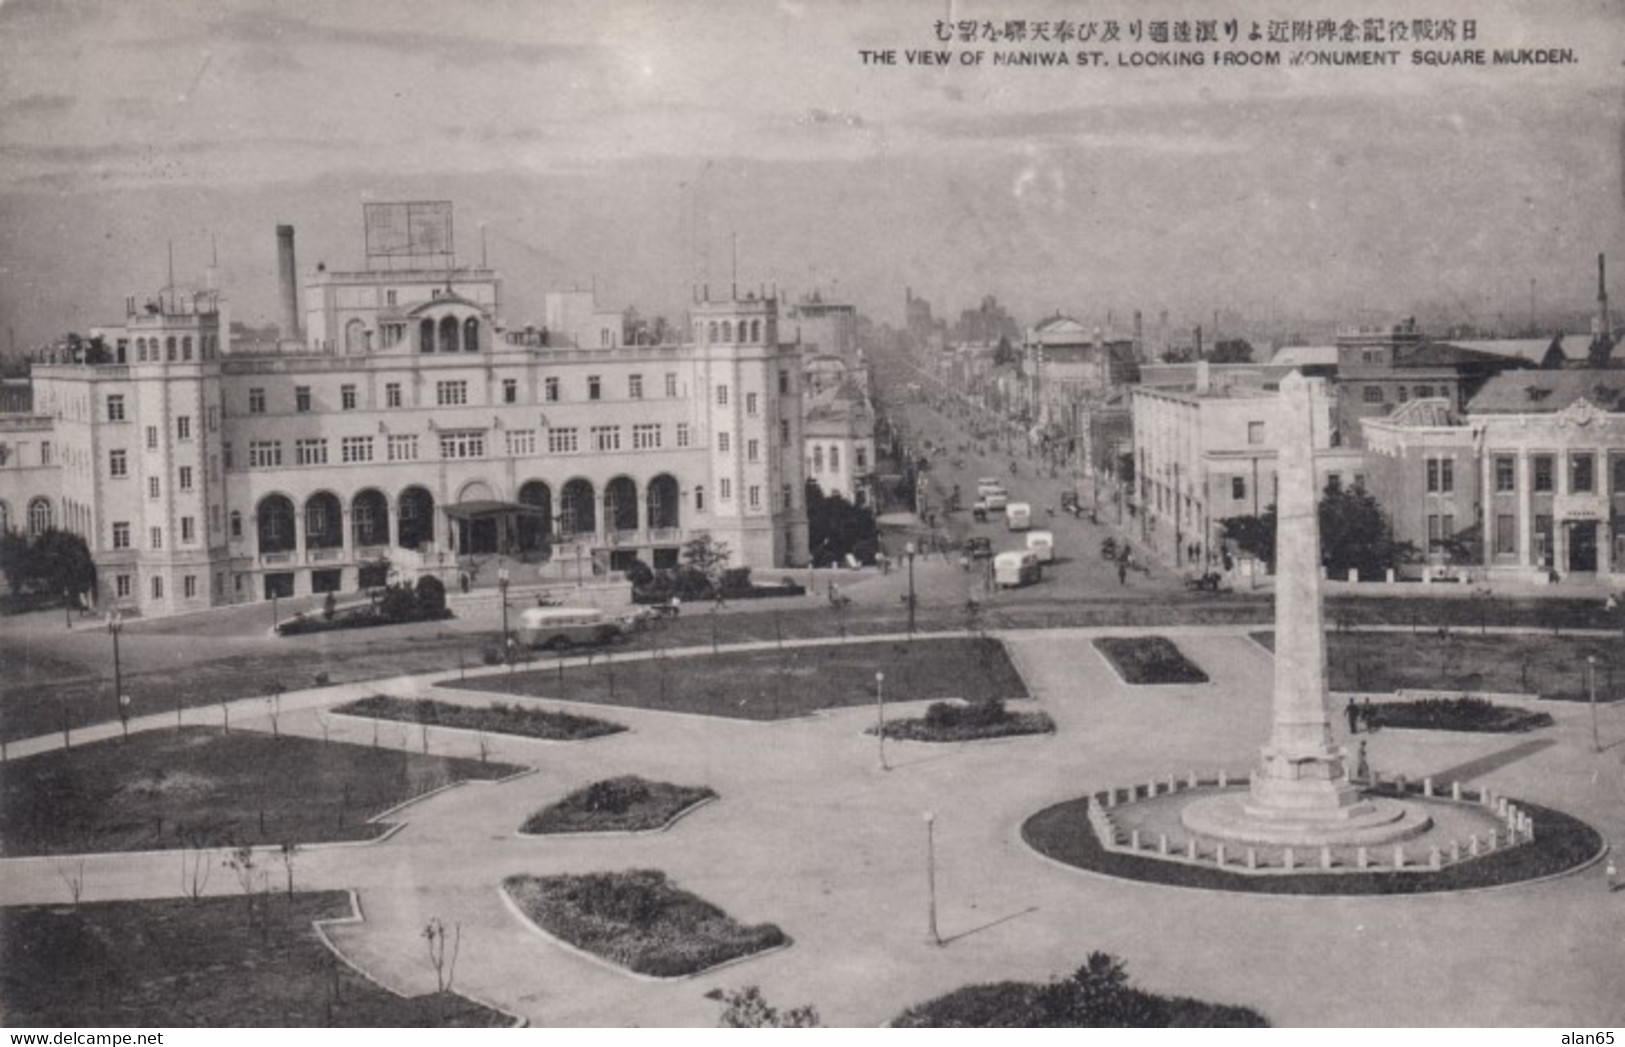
809,833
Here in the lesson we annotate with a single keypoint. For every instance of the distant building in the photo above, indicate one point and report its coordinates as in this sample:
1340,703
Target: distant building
1066,363
840,442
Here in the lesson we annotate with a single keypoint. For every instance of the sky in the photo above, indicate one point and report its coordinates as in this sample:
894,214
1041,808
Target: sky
628,145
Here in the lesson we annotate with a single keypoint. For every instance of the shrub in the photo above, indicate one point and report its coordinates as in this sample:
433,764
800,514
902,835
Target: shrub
625,804
491,656
615,795
398,604
639,574
1457,714
431,596
735,579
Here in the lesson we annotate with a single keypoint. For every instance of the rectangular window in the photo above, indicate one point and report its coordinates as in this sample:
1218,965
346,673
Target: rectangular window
1582,473
787,496
189,584
301,398
152,487
310,452
1372,394
750,403
45,452
157,587
510,390
860,459
521,441
595,387
1255,432
1543,472
1506,533
722,396
118,463
212,415
188,530
1447,475
121,586
1402,394
355,449
184,477
347,397
561,441
152,437
753,450
121,535
462,445
155,538
784,430
1334,482
1434,532
403,448
550,389
722,442
754,497
256,401
784,383
682,434
389,298
1238,488
264,454
115,408
671,384
834,459
392,394
451,394
634,386
1449,524
1506,476
725,489
606,438
646,437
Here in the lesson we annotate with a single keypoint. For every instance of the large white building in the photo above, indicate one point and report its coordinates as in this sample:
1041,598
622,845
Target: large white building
409,428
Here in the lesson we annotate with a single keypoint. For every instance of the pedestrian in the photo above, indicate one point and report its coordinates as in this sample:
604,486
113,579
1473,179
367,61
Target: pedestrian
1362,769
1612,872
1352,711
1122,572
1368,716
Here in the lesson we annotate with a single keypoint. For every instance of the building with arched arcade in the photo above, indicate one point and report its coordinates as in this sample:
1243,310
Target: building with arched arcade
408,430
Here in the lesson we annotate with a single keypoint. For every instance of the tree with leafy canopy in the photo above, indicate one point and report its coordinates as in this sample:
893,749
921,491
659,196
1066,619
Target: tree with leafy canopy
52,562
836,527
1355,534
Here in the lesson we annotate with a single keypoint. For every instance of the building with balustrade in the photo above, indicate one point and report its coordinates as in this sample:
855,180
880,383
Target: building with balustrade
407,431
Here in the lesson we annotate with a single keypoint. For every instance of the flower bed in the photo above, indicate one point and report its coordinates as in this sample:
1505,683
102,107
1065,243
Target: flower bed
1149,660
1097,995
966,722
625,804
638,920
496,718
355,618
1456,714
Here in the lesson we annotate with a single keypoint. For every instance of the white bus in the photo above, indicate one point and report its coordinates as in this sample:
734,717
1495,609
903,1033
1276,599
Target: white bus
559,627
1015,568
1018,516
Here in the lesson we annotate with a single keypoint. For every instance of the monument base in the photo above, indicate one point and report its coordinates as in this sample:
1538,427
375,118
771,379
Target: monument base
1366,822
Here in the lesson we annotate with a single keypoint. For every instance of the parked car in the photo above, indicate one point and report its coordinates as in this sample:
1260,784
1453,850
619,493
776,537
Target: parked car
984,484
979,547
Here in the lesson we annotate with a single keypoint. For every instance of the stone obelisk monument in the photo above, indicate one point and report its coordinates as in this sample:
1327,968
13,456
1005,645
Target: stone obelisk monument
1300,791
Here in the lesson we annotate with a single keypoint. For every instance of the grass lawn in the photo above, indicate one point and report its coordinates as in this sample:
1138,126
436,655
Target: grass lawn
964,722
1062,832
638,920
1550,666
1149,659
496,718
625,804
198,963
772,685
171,789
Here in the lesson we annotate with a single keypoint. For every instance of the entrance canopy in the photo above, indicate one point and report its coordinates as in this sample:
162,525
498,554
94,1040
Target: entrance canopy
485,509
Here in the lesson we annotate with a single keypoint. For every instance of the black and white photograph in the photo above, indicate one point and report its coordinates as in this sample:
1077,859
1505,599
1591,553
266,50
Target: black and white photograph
812,513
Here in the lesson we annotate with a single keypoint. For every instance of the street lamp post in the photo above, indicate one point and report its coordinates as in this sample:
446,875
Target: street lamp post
115,624
507,642
880,718
1596,740
67,607
908,551
931,875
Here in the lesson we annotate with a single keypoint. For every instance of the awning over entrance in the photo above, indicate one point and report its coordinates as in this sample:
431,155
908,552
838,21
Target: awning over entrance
486,509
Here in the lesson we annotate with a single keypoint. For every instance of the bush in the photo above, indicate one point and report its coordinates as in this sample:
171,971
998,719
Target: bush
735,580
1457,714
625,804
398,603
431,596
615,795
491,656
639,574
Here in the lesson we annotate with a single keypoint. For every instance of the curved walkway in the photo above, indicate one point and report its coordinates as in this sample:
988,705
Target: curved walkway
810,834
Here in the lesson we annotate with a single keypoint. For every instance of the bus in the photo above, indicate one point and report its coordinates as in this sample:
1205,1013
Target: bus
1018,516
1016,568
555,628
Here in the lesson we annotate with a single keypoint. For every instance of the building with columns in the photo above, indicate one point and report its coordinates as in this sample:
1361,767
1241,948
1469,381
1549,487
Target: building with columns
410,430
1527,483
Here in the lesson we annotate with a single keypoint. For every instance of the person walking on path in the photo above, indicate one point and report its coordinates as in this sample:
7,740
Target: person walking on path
1612,872
1362,769
1352,711
1122,572
1368,716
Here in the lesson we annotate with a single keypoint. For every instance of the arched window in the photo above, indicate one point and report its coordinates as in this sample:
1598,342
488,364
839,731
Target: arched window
169,348
536,523
471,335
663,507
369,518
141,350
727,331
621,504
578,513
417,518
39,516
711,331
186,348
756,330
236,524
448,335
275,520
699,498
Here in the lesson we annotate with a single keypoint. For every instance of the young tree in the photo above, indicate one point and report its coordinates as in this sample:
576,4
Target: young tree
445,967
747,1009
707,556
